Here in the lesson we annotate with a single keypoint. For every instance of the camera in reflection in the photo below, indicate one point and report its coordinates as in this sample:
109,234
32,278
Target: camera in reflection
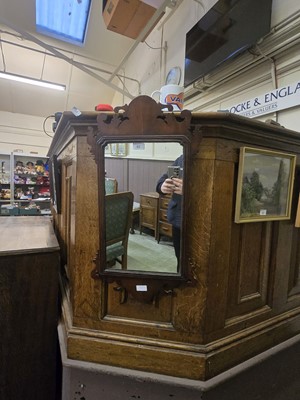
175,171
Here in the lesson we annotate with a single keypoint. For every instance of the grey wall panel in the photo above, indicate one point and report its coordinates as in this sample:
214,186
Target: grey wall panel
138,176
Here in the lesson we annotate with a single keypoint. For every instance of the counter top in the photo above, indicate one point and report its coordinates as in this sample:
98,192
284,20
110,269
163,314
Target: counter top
27,234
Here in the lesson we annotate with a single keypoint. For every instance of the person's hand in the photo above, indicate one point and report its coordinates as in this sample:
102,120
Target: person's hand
177,185
172,185
168,186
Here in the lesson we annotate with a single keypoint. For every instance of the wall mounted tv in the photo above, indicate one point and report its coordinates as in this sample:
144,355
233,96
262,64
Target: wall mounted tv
226,30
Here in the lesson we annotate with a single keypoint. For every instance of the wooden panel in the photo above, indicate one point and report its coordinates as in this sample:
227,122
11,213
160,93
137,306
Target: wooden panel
189,316
66,213
222,186
294,276
286,281
28,308
64,219
118,312
248,285
150,357
84,236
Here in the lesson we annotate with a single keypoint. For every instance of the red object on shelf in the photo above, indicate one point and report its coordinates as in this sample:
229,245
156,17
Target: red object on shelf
104,107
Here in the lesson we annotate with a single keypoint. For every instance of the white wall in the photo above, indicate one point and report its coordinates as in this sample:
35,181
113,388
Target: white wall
149,151
24,132
150,66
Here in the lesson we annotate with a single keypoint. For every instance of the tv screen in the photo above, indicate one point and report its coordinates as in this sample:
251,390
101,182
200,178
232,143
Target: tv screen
226,30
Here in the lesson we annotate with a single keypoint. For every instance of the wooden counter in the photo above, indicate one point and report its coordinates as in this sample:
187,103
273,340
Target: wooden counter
244,294
29,260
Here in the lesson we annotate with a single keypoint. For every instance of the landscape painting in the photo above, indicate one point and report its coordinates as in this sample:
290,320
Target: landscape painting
265,185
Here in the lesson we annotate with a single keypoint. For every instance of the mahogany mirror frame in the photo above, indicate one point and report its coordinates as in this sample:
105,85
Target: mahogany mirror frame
143,120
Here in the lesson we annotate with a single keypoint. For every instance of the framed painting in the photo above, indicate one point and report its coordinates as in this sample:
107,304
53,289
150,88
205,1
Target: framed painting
122,149
118,149
265,185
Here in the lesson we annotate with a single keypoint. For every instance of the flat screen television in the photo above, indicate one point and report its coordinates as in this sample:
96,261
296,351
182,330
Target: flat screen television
226,30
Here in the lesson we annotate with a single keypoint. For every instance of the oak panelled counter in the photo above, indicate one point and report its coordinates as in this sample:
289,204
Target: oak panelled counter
241,292
29,260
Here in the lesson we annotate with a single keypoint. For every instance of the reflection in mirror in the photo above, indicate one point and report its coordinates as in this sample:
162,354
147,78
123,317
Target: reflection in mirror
147,230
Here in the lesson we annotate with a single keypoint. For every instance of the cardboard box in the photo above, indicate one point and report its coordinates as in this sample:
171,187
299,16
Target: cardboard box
117,14
139,20
128,17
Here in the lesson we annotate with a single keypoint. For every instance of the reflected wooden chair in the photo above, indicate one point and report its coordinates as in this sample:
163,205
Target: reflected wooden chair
118,214
111,185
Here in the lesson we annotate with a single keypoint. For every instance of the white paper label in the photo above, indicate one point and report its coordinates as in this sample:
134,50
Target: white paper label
141,288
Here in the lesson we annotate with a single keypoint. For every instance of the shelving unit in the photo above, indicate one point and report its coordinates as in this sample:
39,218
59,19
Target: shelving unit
25,187
5,178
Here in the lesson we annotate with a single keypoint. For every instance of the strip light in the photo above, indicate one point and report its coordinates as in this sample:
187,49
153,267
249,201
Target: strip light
30,81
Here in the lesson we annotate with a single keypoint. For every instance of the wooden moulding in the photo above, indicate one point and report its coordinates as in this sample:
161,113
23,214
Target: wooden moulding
183,360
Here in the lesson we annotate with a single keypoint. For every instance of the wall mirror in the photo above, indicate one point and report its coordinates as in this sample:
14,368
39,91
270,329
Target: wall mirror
142,126
147,236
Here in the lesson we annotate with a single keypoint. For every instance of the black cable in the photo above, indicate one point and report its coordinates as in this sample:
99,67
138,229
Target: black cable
153,48
44,123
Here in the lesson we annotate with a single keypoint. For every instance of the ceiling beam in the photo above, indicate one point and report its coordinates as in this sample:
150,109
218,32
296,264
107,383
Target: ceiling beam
60,55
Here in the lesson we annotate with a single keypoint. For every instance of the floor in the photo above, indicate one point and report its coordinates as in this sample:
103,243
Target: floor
144,253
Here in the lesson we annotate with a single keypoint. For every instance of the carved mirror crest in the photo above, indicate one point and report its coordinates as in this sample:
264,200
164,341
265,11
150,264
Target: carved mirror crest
140,125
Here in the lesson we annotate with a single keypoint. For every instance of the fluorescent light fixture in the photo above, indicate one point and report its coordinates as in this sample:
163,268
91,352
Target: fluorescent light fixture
31,81
63,19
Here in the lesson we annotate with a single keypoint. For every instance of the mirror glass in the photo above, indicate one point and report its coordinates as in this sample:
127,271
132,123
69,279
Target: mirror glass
154,219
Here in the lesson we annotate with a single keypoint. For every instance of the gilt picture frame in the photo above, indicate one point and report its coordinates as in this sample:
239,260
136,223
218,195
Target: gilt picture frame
265,185
118,149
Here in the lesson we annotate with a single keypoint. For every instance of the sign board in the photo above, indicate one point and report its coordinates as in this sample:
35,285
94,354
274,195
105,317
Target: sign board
275,100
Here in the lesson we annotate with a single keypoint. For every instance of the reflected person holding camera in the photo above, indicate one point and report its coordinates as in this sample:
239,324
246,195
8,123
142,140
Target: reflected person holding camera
172,183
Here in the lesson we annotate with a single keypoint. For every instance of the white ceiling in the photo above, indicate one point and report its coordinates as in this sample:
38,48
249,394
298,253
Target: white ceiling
103,49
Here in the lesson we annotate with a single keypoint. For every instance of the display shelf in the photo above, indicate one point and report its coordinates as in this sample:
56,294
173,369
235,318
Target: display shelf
24,184
5,178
